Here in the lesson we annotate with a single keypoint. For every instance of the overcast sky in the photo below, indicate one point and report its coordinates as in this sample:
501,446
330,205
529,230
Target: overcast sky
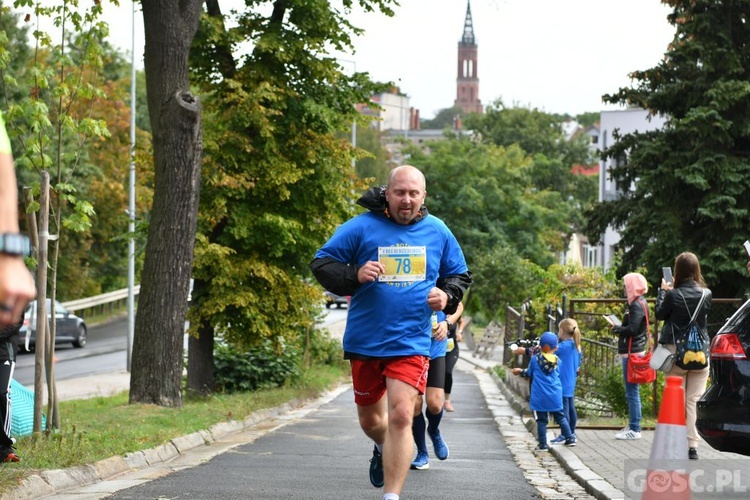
558,56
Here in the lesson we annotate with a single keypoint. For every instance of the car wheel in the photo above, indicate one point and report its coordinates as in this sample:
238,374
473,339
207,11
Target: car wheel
81,338
328,305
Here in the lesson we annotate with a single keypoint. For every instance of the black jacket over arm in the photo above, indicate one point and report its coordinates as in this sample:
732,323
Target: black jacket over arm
671,309
633,327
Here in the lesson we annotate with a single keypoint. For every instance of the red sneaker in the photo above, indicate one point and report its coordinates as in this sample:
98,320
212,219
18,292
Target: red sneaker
11,457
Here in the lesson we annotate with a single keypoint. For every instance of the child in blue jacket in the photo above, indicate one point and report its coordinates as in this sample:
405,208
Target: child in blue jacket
546,390
569,352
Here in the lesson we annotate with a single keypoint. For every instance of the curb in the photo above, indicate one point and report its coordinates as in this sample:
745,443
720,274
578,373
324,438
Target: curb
51,482
593,483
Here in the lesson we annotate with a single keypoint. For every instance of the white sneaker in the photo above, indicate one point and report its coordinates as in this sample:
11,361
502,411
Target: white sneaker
628,433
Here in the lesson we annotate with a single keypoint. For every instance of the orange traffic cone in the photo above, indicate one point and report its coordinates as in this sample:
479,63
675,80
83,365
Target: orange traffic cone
666,480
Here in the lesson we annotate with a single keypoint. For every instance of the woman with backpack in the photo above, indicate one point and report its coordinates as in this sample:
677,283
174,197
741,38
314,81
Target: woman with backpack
684,310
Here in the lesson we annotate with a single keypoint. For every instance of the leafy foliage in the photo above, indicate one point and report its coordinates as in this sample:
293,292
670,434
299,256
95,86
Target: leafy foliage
683,188
56,98
277,173
263,366
445,118
274,362
612,390
507,225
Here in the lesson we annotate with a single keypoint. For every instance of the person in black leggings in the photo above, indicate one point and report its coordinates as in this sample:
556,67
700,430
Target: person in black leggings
455,335
9,338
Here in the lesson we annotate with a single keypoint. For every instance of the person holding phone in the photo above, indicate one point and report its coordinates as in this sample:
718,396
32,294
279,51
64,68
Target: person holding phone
676,304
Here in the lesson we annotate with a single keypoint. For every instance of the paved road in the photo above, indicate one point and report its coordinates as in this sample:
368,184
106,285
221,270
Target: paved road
323,454
318,452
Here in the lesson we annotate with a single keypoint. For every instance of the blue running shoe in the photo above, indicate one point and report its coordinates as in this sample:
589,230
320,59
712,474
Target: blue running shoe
376,469
441,449
558,440
422,462
571,441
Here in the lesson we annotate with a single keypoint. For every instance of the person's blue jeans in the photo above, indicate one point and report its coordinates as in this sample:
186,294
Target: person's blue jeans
569,410
542,419
633,397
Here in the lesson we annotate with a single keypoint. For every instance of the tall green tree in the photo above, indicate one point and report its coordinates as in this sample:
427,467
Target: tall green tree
541,136
51,129
278,175
684,188
445,118
374,161
486,195
176,125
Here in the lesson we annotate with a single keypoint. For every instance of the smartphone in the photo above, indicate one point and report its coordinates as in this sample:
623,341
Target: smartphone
747,248
667,273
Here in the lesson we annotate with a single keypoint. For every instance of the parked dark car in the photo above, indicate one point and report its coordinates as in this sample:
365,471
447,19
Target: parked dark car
337,300
70,328
724,410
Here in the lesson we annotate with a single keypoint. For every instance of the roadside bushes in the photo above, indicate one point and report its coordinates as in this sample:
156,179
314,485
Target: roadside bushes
273,363
613,392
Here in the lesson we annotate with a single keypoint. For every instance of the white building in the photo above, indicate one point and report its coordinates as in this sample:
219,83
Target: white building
625,121
394,112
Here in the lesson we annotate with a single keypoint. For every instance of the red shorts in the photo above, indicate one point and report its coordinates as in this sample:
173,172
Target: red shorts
369,376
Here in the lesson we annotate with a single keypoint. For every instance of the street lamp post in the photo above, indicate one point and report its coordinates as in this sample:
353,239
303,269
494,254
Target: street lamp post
131,203
354,122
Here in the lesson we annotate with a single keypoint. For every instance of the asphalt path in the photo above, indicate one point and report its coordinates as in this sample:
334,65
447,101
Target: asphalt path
323,454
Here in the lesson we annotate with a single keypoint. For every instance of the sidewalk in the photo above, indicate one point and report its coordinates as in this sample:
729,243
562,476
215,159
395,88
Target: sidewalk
599,462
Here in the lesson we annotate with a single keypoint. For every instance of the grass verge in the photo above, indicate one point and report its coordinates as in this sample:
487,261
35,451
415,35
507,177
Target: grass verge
99,428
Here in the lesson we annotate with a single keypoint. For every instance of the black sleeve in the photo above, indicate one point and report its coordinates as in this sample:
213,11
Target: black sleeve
11,331
636,316
455,287
336,277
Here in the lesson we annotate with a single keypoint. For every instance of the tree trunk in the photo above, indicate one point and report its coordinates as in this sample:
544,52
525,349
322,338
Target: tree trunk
175,114
200,378
41,304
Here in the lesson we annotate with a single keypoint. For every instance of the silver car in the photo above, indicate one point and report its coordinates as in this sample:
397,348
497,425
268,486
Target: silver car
70,329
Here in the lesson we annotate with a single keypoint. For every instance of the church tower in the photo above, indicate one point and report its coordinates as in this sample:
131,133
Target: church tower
467,83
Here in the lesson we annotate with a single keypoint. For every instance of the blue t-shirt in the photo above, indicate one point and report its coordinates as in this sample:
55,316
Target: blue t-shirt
570,359
390,316
546,389
438,347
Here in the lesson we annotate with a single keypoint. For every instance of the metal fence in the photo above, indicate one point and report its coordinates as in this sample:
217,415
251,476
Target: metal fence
99,304
598,343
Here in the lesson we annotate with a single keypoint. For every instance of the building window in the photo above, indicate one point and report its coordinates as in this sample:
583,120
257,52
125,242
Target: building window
590,256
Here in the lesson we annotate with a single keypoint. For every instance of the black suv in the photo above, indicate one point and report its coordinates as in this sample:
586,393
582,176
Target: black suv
724,410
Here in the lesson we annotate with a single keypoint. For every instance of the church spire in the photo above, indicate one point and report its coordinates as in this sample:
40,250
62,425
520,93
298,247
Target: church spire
468,37
467,82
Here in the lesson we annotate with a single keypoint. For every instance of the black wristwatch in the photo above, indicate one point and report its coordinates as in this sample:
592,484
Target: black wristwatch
448,322
15,244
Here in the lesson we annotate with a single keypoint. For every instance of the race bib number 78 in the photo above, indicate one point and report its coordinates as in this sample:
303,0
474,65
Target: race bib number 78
403,263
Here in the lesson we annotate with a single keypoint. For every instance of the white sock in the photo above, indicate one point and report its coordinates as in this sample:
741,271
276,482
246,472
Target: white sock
391,496
380,450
